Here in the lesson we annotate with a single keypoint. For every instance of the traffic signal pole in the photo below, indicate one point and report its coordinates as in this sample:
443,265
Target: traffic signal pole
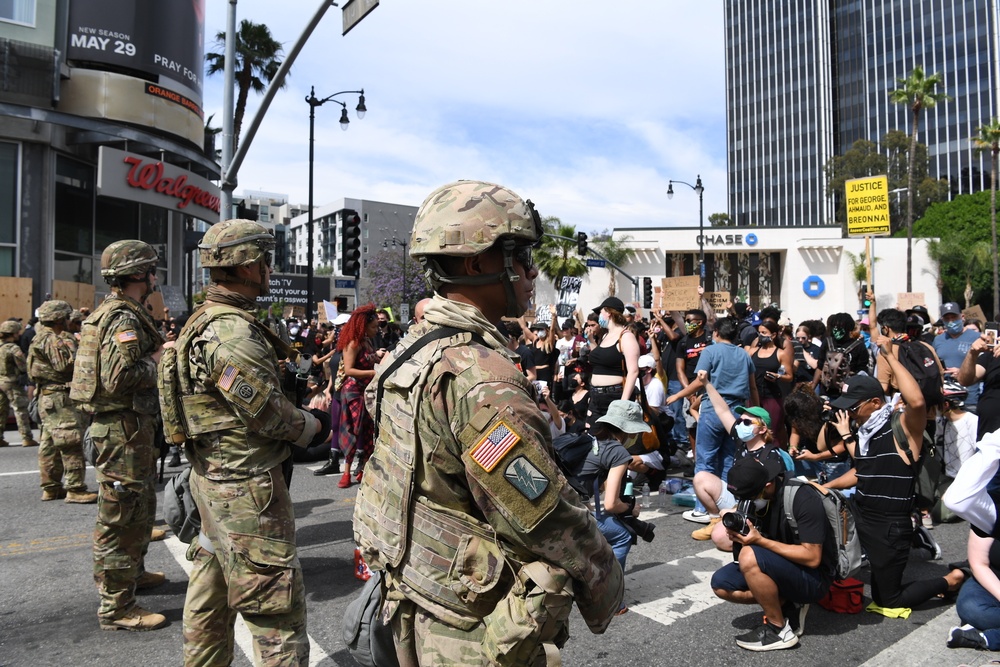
634,281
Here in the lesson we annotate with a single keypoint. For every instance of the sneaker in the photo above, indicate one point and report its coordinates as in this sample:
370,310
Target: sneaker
795,614
135,619
922,539
697,516
148,580
705,532
967,637
926,521
768,638
81,497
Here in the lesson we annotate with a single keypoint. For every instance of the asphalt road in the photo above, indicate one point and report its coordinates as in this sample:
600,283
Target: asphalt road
48,602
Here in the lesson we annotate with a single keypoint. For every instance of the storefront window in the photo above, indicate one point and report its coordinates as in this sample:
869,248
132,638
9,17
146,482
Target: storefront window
18,11
74,206
8,192
74,268
115,221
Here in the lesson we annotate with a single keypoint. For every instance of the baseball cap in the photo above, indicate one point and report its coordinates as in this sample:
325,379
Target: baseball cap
341,319
950,308
647,361
630,309
750,474
859,388
756,411
539,326
611,303
915,320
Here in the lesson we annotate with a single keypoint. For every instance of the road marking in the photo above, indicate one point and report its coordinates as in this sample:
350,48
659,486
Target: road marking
46,544
925,646
679,603
242,633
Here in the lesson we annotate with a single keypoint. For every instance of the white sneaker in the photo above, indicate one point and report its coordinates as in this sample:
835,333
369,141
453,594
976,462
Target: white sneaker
696,516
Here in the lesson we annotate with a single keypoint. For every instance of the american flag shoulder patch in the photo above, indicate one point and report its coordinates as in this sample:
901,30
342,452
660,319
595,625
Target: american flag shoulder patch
494,446
228,377
127,337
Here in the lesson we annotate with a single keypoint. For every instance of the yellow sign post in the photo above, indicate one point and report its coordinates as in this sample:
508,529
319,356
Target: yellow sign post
867,206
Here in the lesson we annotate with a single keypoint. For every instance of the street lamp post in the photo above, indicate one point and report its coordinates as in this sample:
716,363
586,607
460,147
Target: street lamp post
402,299
700,189
313,102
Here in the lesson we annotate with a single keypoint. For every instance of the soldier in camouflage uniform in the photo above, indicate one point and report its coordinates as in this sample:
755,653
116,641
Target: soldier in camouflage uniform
12,394
115,381
484,544
51,357
237,424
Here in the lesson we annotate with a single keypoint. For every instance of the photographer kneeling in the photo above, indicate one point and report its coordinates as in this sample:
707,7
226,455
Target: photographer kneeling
771,565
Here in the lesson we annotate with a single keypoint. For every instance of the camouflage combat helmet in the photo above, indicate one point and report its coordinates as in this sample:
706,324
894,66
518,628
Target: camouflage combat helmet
10,328
467,217
234,243
126,258
53,311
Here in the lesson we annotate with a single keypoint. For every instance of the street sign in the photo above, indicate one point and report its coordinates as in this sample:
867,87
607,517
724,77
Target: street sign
344,283
355,10
599,263
867,206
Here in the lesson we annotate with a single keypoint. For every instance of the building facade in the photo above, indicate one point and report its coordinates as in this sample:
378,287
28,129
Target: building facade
101,138
805,80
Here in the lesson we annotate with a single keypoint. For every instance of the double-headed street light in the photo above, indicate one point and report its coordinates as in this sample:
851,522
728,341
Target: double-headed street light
404,243
313,102
699,188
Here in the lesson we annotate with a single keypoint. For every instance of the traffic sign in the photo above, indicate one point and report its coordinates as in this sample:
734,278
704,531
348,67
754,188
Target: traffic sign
599,263
355,10
344,283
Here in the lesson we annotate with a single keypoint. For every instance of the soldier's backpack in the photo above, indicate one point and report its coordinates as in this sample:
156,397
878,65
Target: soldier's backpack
368,639
837,366
841,520
920,362
179,510
571,451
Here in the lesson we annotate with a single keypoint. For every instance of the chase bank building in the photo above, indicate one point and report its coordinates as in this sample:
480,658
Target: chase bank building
101,138
807,271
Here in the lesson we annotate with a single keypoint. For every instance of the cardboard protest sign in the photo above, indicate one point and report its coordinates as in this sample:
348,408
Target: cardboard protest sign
719,301
681,293
907,300
974,313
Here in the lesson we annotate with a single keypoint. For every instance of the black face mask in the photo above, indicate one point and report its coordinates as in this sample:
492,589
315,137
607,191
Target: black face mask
573,384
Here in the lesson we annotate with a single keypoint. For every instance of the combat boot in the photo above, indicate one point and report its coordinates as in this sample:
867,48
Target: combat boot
135,619
57,493
81,497
148,580
175,460
157,534
29,443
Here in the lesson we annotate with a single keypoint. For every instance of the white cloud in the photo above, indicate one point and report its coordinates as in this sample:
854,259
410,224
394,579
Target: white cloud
586,107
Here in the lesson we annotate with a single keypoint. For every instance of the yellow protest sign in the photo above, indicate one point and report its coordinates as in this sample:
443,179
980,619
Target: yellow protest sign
681,293
867,206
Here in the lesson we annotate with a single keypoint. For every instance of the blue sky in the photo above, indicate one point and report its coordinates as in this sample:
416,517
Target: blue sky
587,108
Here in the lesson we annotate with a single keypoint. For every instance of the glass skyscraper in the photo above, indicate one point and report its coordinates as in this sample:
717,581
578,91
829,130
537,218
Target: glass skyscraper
806,79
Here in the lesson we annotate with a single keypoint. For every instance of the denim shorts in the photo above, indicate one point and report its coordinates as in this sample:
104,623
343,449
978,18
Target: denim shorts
795,582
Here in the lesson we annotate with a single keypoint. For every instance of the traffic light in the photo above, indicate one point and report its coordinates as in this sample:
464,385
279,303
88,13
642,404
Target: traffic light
351,243
647,293
581,243
865,301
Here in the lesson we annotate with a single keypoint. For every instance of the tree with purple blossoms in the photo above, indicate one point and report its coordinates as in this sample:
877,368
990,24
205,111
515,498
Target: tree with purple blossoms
386,284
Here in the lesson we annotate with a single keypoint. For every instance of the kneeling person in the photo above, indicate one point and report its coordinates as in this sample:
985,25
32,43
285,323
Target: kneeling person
774,568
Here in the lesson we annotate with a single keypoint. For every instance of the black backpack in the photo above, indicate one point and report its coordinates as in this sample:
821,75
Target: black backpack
920,362
571,451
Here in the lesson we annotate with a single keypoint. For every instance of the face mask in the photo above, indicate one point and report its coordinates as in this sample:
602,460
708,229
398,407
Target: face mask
293,331
954,327
602,322
764,340
745,433
691,326
839,334
867,336
573,384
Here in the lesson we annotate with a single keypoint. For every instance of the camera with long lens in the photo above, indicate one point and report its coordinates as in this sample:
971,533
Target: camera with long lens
738,520
635,526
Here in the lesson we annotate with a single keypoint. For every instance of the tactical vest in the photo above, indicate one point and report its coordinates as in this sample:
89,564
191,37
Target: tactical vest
8,361
85,386
448,562
40,368
187,413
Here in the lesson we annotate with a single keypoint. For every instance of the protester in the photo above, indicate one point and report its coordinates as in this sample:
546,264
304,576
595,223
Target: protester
614,362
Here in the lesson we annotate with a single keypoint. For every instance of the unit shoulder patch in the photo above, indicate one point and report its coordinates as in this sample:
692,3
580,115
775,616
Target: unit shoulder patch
526,478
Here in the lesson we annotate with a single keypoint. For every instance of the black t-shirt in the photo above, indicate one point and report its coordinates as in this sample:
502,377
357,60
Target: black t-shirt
988,408
804,373
527,358
690,348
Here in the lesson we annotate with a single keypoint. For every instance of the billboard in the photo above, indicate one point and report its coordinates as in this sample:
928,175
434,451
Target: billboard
140,178
163,39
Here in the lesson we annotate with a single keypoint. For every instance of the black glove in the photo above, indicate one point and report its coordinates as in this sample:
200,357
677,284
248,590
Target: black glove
324,426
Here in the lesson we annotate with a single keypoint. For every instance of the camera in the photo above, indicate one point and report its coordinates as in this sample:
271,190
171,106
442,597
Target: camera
827,415
638,528
738,520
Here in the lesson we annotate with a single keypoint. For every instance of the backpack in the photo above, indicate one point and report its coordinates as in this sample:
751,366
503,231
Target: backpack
368,639
571,451
920,362
841,519
927,469
179,510
837,366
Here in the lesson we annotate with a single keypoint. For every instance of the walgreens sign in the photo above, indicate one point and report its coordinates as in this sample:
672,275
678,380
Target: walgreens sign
148,180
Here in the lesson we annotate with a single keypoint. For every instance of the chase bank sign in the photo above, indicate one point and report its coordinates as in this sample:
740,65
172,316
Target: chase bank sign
727,239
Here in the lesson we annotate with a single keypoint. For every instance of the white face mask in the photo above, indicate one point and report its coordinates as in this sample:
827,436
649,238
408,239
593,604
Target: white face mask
745,433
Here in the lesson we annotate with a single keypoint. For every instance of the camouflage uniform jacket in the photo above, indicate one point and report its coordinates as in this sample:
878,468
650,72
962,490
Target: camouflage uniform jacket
50,358
464,420
12,362
115,363
245,419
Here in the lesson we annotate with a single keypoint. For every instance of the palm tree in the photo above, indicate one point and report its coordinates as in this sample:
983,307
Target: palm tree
617,252
556,258
956,256
257,62
989,139
916,91
859,268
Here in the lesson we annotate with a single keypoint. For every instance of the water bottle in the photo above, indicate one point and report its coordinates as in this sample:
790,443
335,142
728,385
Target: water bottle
661,494
628,488
646,497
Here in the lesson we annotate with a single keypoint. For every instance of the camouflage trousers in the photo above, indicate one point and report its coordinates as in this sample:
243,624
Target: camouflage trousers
12,395
255,571
421,640
60,452
126,505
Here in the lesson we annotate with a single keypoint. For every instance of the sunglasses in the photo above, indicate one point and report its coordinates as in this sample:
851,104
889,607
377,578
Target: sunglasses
693,321
522,255
747,422
268,259
854,408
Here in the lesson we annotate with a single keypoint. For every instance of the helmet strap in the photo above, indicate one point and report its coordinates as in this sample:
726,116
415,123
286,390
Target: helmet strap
508,276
